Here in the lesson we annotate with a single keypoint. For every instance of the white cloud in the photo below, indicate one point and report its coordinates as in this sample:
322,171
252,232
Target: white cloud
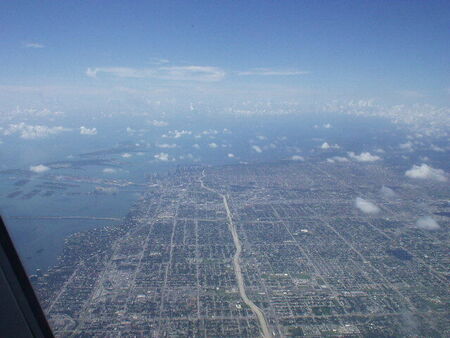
45,112
425,171
411,94
437,148
426,118
87,131
33,45
364,157
130,130
326,146
192,73
327,126
406,146
106,190
261,137
159,61
212,145
109,171
257,149
126,155
167,145
387,192
337,159
179,133
157,123
164,157
297,158
427,223
32,132
210,132
365,206
272,72
176,73
39,168
196,146
186,157
230,155
91,72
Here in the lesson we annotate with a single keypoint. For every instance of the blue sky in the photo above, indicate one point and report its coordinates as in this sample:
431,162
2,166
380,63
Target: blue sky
307,51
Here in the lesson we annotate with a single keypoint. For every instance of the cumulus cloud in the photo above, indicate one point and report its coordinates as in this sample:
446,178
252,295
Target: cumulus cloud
164,157
32,112
130,130
167,145
425,171
272,72
230,155
196,146
335,159
39,168
178,133
187,157
297,158
326,146
366,206
176,73
364,157
32,131
427,223
157,123
210,132
387,192
109,171
327,125
257,149
406,146
437,148
88,131
213,145
432,120
126,155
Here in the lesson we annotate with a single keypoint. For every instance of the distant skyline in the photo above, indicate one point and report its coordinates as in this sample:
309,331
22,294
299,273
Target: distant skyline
308,52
